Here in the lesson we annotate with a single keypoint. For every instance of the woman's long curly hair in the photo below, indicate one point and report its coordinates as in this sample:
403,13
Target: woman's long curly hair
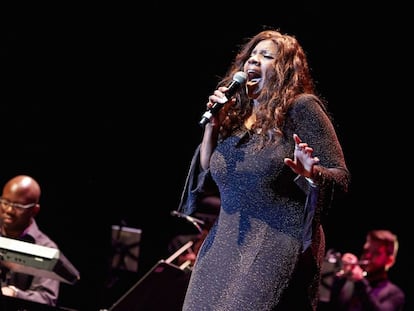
289,78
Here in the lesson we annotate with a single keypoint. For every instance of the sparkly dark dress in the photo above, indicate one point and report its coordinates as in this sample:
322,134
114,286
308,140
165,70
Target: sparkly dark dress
265,249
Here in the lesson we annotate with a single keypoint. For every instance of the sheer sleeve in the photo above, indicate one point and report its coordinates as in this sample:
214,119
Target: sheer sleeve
198,184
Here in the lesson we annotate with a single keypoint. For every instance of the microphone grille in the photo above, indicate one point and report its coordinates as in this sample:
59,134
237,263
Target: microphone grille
240,77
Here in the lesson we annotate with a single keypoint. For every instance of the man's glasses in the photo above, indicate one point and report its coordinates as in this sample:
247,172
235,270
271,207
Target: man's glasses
7,203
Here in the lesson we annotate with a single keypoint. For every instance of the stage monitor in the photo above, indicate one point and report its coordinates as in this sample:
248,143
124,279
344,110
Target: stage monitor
33,259
162,288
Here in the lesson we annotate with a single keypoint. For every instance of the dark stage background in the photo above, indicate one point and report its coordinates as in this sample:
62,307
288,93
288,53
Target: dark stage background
101,105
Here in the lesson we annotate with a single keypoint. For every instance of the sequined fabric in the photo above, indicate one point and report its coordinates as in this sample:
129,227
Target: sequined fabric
254,257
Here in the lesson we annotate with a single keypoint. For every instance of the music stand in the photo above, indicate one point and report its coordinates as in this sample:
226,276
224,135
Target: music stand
126,248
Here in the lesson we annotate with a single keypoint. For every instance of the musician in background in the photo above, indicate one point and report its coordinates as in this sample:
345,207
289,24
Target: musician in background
363,284
19,205
209,207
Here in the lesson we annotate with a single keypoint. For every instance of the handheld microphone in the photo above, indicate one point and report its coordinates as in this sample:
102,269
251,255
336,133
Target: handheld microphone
239,79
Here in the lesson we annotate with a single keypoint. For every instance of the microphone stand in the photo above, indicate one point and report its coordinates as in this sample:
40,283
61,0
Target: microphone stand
193,220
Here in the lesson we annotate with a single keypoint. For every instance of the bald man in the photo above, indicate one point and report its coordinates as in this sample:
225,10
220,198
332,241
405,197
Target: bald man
19,205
